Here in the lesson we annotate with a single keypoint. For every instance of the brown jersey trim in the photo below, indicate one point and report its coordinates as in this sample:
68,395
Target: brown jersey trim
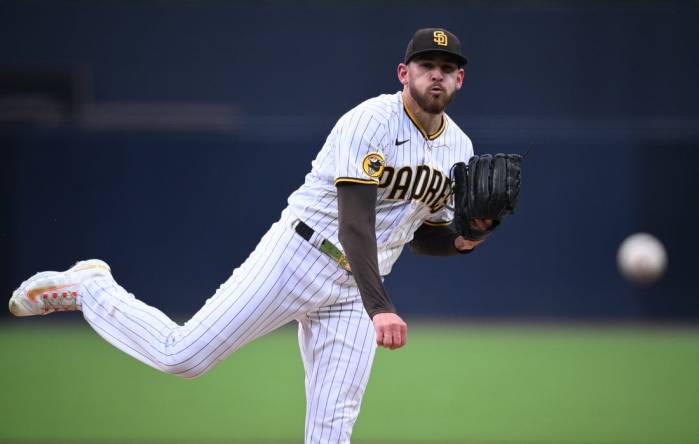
433,136
437,224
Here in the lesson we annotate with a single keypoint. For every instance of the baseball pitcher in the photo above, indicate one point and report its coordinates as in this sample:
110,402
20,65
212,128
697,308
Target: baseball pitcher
394,171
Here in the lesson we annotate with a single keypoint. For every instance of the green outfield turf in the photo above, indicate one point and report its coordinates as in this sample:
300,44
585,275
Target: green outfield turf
456,384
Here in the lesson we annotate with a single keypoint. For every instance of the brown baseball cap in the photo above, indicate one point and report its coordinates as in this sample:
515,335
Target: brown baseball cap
434,40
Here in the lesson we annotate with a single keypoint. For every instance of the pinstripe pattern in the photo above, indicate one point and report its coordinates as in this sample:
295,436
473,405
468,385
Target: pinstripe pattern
337,344
270,289
375,126
287,278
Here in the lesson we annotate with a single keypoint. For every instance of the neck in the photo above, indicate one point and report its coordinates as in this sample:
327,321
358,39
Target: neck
428,122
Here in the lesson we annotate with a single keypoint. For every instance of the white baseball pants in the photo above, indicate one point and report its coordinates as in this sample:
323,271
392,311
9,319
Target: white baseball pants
286,278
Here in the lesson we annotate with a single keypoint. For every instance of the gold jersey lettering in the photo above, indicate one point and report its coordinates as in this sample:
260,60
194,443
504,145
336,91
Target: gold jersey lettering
404,178
422,176
421,183
386,177
433,188
446,192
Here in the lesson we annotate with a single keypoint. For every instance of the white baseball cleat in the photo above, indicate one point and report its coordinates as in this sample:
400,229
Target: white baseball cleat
51,291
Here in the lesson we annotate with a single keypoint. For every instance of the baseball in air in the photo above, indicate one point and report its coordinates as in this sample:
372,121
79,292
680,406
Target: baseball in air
642,259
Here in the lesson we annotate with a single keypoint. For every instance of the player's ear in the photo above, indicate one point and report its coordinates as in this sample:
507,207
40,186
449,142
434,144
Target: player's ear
402,73
460,78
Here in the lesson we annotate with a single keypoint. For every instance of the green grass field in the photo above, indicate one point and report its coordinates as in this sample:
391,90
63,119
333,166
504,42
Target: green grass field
451,384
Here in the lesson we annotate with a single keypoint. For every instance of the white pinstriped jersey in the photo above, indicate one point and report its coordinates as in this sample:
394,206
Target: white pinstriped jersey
379,142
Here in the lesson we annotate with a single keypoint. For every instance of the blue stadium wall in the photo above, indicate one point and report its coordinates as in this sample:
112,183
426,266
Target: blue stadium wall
607,97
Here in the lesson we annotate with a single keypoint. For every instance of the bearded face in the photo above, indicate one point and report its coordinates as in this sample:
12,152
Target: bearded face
433,81
432,99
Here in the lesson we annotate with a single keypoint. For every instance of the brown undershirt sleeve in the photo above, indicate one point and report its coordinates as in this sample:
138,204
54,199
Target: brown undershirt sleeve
357,233
435,241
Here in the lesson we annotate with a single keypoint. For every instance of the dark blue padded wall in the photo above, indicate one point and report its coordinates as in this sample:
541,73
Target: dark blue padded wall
606,96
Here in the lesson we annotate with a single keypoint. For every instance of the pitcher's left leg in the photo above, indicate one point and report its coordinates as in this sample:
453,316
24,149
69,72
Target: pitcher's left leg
337,345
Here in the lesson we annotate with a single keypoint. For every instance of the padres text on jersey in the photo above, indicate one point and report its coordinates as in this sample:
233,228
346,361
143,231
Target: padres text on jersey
379,142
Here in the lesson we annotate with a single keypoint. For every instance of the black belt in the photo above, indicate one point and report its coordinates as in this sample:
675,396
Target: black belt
326,246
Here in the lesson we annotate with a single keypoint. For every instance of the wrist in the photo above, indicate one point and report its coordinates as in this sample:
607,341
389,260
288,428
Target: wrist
381,311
